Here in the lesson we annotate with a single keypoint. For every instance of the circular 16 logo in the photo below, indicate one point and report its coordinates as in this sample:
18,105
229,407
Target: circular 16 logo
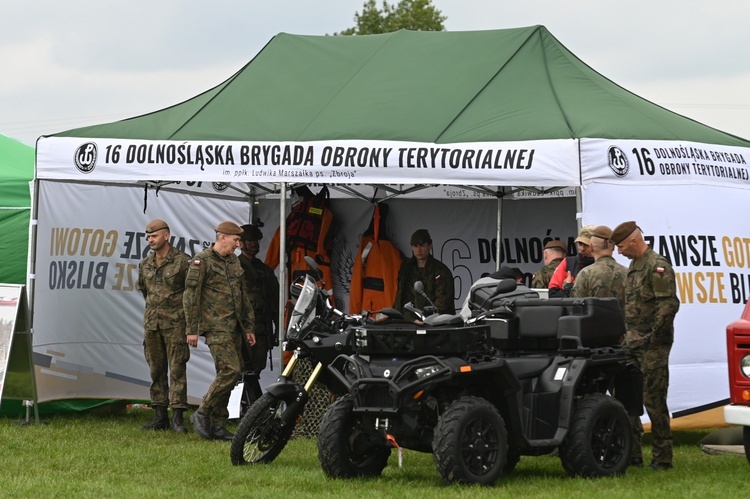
618,162
85,157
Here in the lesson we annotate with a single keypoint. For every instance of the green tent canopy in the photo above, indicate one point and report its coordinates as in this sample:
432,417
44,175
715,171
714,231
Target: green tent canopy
434,87
16,171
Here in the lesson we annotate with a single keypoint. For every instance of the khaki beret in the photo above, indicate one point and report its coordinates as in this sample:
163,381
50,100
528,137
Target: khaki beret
602,232
155,225
229,228
420,236
585,235
557,244
622,231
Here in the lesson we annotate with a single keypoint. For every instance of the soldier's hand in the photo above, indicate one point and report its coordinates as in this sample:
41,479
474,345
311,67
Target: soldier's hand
569,278
250,338
192,340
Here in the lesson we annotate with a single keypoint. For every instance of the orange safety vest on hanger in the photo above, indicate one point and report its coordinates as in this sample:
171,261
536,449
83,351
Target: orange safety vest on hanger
375,273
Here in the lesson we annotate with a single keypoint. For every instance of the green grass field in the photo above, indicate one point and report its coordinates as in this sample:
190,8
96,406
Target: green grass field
109,456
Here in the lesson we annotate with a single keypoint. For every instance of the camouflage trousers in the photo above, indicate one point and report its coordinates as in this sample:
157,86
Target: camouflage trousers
654,362
226,351
167,353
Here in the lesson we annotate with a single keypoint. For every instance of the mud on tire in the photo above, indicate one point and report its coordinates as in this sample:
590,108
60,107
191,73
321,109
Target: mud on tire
470,442
599,439
344,450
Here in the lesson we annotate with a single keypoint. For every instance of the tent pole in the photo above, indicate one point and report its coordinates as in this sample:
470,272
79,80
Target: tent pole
499,235
282,270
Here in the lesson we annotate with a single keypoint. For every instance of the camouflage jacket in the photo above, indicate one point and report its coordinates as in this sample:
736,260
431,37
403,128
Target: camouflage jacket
438,285
604,278
216,299
263,290
543,275
162,286
650,301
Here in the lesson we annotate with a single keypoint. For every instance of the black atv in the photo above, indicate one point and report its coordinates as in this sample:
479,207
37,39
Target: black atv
525,376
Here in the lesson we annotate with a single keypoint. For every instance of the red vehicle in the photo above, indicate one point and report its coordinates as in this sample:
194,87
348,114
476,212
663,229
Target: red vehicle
738,356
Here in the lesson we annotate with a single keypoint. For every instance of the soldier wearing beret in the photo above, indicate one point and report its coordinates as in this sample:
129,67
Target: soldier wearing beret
161,279
554,252
217,307
605,277
561,283
650,306
436,277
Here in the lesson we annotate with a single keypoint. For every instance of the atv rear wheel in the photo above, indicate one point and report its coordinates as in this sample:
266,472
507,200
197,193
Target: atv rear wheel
344,449
599,439
470,442
260,436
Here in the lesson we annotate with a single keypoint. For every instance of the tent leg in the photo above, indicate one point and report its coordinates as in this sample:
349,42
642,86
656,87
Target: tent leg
282,271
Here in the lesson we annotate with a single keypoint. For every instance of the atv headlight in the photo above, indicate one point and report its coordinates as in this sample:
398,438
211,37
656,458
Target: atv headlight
423,372
745,366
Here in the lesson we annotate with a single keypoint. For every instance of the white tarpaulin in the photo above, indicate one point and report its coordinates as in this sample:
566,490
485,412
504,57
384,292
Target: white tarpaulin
688,199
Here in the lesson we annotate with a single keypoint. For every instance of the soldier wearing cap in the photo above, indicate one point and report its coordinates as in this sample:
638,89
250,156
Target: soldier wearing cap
263,288
554,252
561,283
605,277
161,279
436,277
651,304
217,307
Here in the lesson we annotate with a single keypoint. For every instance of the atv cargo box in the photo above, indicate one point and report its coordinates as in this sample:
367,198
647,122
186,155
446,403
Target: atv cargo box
532,323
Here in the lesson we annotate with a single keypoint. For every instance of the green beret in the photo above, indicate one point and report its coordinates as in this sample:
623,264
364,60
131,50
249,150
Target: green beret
557,244
622,231
155,225
602,232
229,228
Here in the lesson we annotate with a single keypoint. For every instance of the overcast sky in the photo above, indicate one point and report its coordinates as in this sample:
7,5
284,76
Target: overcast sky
72,63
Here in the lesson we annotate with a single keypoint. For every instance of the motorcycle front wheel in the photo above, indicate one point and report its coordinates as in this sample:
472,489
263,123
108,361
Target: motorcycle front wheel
261,435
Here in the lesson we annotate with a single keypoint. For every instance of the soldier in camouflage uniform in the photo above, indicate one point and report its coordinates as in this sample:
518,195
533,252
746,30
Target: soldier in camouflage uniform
436,277
263,288
161,279
605,277
217,307
650,306
554,252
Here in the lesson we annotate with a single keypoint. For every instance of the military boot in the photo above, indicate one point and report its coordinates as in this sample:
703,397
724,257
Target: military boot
160,421
201,425
221,433
178,423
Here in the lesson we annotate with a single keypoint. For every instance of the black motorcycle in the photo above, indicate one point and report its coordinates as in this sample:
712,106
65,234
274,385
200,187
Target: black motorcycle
316,331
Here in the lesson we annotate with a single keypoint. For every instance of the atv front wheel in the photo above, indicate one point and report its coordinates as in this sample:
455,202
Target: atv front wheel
344,449
746,441
599,439
261,436
470,443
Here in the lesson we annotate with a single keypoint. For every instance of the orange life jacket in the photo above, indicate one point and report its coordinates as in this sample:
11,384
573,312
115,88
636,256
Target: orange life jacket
375,273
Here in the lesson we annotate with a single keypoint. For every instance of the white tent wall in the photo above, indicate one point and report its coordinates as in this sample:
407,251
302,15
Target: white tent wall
88,314
688,198
709,252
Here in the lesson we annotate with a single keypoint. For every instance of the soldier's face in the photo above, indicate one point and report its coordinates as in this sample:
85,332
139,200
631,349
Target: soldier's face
626,248
227,244
250,248
421,251
584,249
157,240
